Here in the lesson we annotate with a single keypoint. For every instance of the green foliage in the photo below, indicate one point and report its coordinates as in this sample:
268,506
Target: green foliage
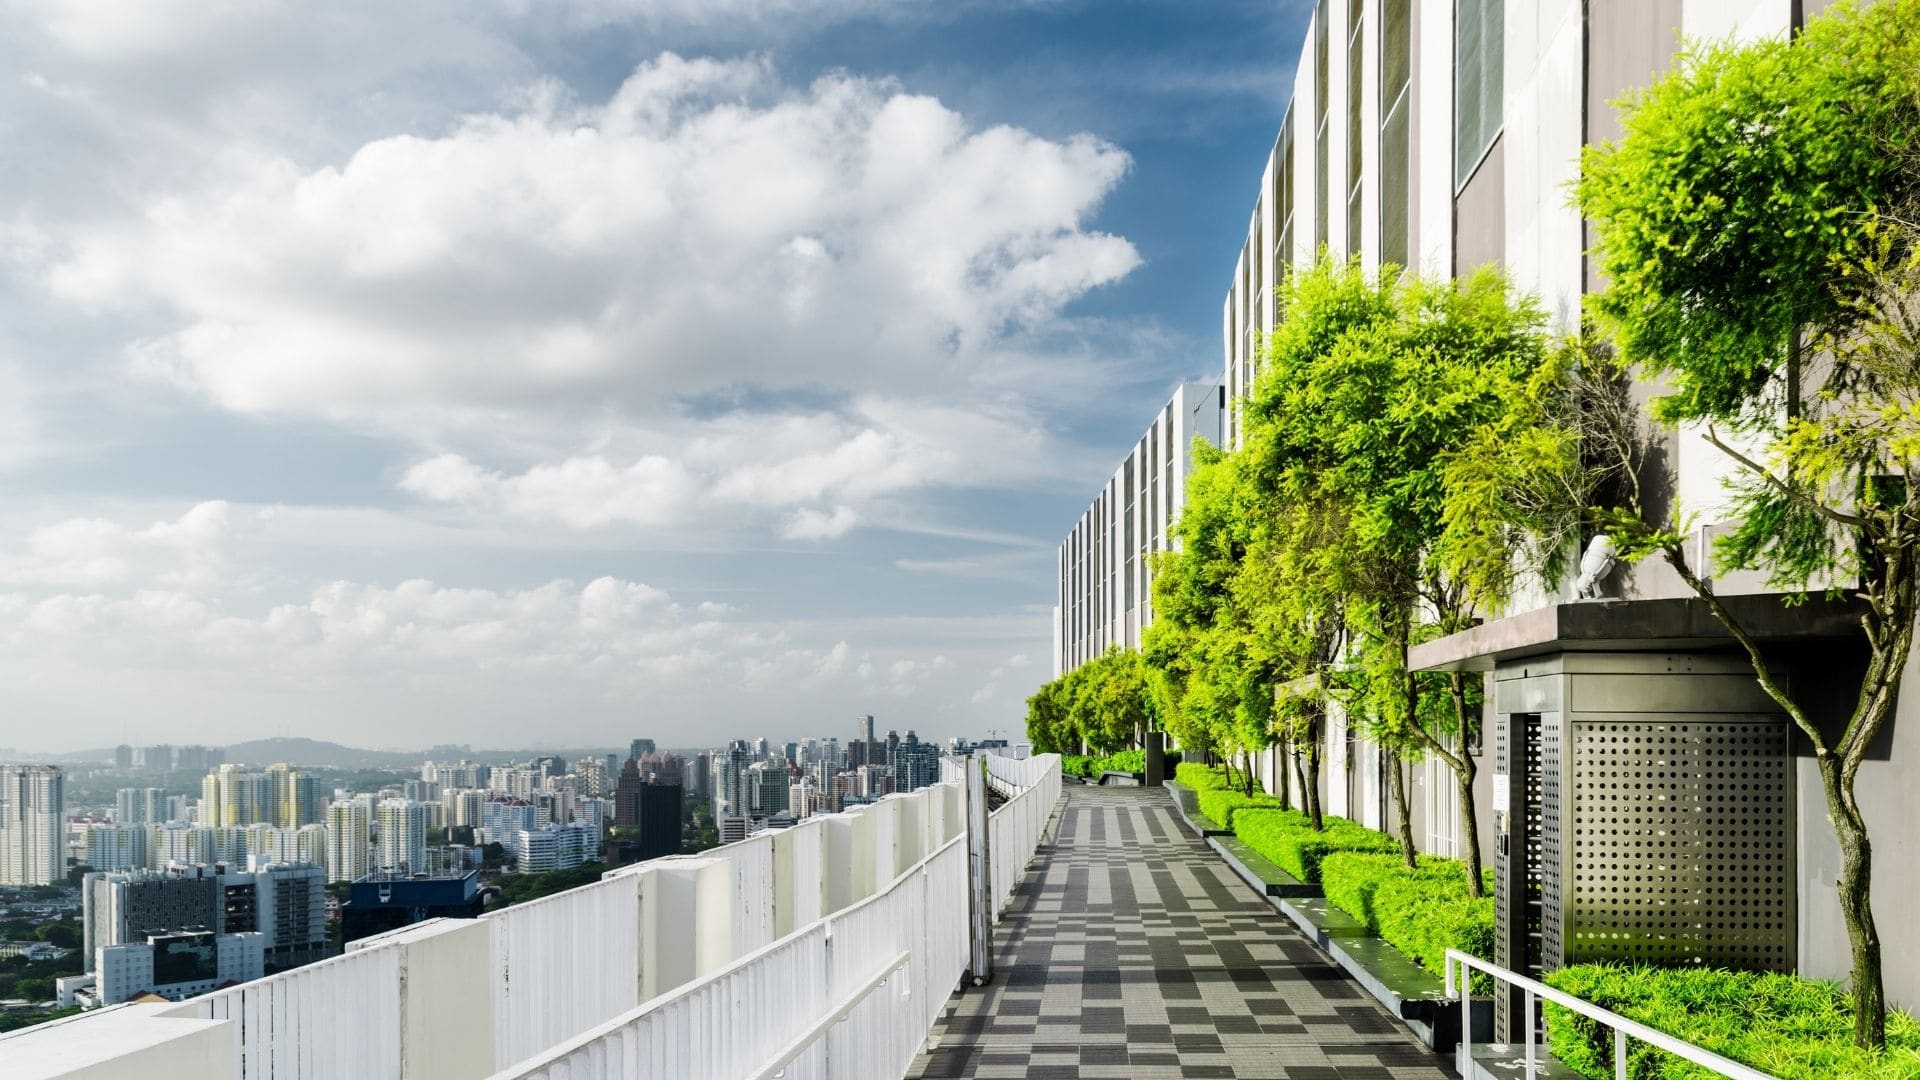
1222,806
1287,839
1740,189
1422,912
1199,777
1127,761
1783,1025
1104,704
520,888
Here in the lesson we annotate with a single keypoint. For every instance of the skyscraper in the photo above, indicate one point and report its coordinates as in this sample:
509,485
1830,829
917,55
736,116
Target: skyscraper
32,824
403,836
639,748
140,806
349,832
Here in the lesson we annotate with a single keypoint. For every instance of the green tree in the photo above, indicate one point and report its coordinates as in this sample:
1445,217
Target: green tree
1738,220
1371,386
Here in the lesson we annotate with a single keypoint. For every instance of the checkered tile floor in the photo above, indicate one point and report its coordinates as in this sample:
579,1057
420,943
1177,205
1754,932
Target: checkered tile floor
1131,952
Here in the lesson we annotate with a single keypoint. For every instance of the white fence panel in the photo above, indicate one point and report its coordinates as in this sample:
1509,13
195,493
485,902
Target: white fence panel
562,964
339,1017
1014,830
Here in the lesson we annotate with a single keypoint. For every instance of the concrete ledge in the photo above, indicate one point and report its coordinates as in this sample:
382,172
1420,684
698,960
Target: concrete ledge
1186,804
1635,626
1116,778
1257,870
1505,1061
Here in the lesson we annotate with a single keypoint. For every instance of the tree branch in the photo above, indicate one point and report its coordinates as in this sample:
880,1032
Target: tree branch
1837,516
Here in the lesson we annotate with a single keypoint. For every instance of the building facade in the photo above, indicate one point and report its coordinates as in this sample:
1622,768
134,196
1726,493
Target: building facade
1103,597
402,828
32,825
349,841
1445,137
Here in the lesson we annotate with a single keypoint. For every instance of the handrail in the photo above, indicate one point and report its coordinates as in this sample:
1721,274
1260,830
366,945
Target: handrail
1623,1028
687,989
812,1035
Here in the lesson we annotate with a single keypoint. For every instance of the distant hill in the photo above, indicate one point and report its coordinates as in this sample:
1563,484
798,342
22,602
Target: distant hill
315,752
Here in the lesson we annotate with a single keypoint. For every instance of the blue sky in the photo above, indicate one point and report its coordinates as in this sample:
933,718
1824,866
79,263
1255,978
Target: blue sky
508,373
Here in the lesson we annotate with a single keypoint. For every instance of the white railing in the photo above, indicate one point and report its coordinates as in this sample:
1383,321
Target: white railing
1014,830
883,967
1623,1028
792,936
288,1025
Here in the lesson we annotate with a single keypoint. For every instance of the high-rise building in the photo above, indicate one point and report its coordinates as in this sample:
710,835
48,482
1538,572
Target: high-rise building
179,842
230,795
32,824
734,795
701,780
555,847
349,841
140,806
768,789
1103,595
295,798
639,748
117,847
402,825
123,756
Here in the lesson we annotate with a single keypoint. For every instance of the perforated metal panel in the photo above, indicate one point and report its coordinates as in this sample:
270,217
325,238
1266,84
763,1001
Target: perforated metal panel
1546,812
1681,840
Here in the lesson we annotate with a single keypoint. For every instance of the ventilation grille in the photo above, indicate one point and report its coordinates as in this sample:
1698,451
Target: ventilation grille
1682,844
1546,945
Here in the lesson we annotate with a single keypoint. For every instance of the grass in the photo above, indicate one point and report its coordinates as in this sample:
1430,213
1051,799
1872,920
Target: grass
1784,1025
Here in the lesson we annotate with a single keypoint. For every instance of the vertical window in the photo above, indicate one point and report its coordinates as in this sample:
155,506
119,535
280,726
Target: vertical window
1321,87
1396,158
1356,17
1479,54
1282,211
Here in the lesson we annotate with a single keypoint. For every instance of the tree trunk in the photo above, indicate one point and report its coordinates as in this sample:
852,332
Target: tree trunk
1402,813
1310,773
1283,779
1463,773
1855,892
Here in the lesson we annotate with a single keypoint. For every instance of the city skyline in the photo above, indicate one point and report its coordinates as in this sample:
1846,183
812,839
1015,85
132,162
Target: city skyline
349,396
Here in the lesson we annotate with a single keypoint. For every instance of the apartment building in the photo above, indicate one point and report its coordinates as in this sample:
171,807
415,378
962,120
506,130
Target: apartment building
32,825
1445,136
1103,595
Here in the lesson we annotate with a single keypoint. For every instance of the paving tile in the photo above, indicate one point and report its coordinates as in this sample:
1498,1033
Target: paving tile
1130,952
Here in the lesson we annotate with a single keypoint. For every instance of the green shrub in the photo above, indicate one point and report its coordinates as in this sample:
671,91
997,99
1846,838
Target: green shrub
1076,765
1422,912
1783,1025
1133,761
1200,777
1223,805
1288,840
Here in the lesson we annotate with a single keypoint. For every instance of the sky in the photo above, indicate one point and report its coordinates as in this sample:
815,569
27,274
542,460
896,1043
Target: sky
520,374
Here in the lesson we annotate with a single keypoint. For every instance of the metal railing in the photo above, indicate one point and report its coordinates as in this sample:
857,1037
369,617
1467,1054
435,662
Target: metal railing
1623,1028
1014,830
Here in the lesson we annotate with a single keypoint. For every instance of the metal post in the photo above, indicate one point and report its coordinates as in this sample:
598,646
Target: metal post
1530,1008
1466,1017
1619,1054
979,873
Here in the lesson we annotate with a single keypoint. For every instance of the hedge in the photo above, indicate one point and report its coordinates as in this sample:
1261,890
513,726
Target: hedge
1200,777
1784,1025
1288,840
1422,912
1127,761
1223,805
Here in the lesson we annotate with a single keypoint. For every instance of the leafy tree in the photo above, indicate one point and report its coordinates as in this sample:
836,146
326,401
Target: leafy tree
1371,387
1739,217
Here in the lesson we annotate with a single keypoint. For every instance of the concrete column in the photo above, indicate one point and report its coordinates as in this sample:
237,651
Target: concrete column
686,922
1156,759
446,999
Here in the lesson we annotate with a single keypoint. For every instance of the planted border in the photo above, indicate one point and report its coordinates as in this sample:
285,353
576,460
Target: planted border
1784,1025
1421,912
1288,840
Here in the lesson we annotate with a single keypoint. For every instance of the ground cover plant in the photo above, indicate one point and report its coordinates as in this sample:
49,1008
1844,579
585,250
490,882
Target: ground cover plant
1422,912
1783,1025
1288,839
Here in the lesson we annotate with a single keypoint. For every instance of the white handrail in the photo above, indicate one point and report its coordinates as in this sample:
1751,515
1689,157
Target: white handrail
1623,1028
812,1035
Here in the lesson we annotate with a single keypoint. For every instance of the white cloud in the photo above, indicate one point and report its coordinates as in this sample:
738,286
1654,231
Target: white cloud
93,553
706,227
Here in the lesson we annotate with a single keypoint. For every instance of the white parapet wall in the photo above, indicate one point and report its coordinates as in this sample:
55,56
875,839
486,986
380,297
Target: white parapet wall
835,943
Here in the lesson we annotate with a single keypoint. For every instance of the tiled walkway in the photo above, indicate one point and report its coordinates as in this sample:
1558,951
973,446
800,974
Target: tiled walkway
1130,951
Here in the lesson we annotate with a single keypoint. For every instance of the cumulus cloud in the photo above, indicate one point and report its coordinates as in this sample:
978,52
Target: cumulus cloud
707,226
93,553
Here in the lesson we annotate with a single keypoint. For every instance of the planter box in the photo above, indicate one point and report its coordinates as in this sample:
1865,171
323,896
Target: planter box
1256,870
1504,1061
1186,805
1115,778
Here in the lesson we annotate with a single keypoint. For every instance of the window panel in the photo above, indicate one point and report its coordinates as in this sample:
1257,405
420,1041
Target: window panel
1479,51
